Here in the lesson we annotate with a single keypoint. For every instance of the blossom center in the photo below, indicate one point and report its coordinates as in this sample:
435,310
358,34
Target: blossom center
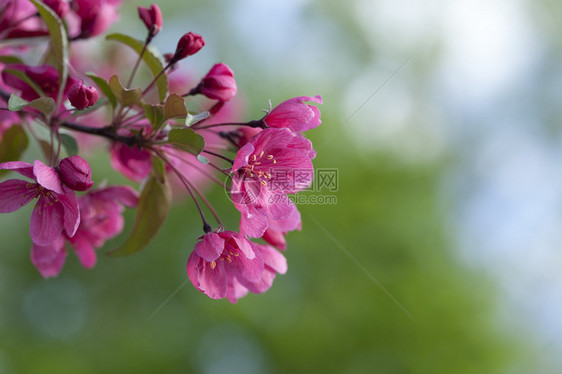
258,167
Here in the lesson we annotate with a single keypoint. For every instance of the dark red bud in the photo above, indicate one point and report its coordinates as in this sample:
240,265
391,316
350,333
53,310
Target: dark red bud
82,97
152,18
75,173
188,45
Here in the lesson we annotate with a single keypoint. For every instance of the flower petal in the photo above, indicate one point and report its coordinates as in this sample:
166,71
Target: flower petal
46,222
85,251
71,211
47,177
15,193
242,156
125,195
272,258
21,167
211,247
212,282
49,259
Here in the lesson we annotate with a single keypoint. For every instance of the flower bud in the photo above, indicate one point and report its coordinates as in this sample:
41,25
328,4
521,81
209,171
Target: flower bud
188,45
82,97
219,83
75,173
152,18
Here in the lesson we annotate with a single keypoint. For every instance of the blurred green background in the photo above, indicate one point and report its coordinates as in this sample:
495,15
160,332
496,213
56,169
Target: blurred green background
441,253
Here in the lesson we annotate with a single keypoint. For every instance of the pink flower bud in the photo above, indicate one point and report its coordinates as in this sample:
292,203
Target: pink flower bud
60,7
75,173
188,45
152,18
219,83
82,97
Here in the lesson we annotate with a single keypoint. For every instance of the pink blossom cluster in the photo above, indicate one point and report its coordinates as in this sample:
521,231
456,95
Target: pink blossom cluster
152,140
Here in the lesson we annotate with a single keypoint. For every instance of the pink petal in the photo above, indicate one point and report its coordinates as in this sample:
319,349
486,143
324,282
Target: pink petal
243,244
275,238
49,259
235,291
263,284
15,193
292,222
211,282
47,177
85,251
211,247
21,167
125,195
46,222
247,269
71,210
242,156
273,258
252,223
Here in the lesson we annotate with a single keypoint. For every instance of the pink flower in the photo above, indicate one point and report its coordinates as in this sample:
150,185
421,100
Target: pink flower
82,97
152,18
274,163
49,259
294,114
45,76
132,162
189,44
96,16
56,209
101,219
218,84
76,173
219,259
274,262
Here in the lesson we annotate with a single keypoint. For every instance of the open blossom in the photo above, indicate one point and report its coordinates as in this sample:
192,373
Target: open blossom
221,257
101,213
294,114
101,219
56,209
274,163
274,262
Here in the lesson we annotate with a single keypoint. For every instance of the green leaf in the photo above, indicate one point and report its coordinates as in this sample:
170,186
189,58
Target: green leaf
10,60
187,140
174,107
44,104
155,114
16,103
154,204
22,76
14,142
153,62
69,143
125,96
104,87
59,42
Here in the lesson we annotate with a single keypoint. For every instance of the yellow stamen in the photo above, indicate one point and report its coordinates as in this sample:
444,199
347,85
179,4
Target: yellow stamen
264,183
213,265
269,157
